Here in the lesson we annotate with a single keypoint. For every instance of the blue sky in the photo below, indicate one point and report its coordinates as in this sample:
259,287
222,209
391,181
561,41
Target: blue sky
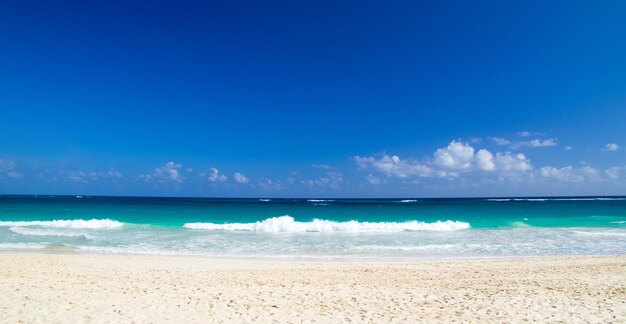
313,99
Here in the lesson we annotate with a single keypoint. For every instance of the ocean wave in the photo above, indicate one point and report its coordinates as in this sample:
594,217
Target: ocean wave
74,223
408,200
319,200
555,199
614,234
265,200
43,232
287,224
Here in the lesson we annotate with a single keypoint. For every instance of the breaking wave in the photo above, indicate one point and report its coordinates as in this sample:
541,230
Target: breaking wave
74,223
286,224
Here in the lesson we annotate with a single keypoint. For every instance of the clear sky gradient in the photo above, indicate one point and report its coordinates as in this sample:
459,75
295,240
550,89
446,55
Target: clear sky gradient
313,99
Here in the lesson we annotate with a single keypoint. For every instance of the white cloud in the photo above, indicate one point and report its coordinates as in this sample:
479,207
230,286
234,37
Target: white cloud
524,134
539,143
569,173
615,172
612,147
373,180
321,166
456,156
240,178
512,162
269,184
168,172
568,148
87,176
484,160
7,167
79,176
214,175
448,162
394,166
500,141
331,180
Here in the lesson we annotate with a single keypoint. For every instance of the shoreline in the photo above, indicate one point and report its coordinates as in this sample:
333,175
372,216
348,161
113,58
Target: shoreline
69,287
312,259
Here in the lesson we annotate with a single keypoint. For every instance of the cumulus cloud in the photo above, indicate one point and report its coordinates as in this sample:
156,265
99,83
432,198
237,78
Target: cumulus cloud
512,162
447,162
456,156
321,166
214,175
168,172
524,134
569,173
240,178
7,168
484,160
612,147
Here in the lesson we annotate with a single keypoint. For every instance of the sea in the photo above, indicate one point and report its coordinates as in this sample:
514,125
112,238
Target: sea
374,229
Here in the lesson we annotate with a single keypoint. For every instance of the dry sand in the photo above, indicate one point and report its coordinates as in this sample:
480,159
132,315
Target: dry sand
50,288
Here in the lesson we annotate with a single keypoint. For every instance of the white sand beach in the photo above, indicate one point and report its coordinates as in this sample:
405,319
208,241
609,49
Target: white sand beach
74,288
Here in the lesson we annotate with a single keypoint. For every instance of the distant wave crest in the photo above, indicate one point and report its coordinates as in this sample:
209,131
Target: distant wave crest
286,224
555,199
74,223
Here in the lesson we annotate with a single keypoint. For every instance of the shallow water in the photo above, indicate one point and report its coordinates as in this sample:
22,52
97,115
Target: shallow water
404,228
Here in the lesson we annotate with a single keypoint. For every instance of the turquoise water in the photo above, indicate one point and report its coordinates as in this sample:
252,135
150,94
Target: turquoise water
317,228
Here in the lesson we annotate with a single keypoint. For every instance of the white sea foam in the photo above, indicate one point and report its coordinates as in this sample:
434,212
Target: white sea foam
618,222
615,234
265,200
44,232
74,223
408,200
554,199
21,246
318,200
426,247
287,224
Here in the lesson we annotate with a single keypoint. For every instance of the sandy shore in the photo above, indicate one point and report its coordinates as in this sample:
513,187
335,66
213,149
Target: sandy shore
102,288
